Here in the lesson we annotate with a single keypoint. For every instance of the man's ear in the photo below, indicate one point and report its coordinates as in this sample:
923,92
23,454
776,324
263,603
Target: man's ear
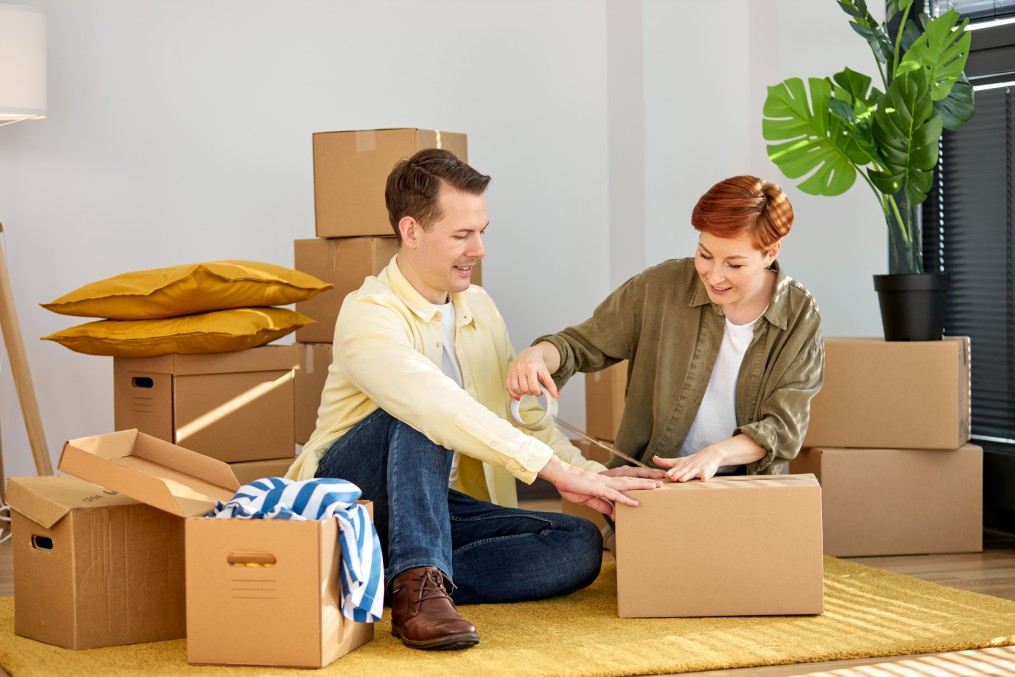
409,228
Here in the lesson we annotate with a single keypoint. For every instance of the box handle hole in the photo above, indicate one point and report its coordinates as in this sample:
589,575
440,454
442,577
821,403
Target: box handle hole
142,382
251,559
42,543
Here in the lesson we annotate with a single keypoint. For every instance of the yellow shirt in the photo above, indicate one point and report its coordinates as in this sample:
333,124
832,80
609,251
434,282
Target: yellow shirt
387,354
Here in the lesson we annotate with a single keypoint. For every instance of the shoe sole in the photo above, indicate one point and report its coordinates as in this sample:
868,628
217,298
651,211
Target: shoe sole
449,643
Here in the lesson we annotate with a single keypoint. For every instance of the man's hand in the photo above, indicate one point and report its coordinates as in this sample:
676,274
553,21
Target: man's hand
533,367
635,471
597,491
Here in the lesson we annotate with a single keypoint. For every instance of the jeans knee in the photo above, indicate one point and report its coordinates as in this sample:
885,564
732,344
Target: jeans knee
586,550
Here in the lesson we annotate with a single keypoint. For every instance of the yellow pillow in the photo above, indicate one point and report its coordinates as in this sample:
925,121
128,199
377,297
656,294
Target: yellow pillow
189,289
215,332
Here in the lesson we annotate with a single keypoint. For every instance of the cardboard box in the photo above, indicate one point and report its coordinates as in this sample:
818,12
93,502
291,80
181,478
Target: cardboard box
604,401
898,501
892,394
93,568
248,471
352,167
284,573
235,406
731,546
343,262
299,599
315,359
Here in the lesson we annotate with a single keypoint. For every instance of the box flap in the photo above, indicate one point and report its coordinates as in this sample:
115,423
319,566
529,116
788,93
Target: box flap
46,500
156,472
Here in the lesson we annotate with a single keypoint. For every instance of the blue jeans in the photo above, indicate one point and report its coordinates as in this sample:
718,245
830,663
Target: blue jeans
491,553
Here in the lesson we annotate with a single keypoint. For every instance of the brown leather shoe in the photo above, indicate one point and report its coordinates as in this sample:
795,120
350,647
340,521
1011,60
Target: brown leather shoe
423,615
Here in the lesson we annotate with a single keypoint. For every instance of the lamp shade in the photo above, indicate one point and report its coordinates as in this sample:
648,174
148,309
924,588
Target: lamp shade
22,62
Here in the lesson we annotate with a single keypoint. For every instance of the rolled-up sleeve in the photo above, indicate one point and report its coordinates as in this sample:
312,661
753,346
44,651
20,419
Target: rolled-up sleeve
785,411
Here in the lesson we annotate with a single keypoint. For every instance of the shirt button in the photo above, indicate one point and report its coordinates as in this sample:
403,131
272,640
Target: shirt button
437,345
750,419
754,376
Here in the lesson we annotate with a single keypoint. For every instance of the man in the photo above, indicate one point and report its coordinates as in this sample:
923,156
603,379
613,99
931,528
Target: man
415,403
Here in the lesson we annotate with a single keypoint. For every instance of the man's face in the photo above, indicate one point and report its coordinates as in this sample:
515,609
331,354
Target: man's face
440,261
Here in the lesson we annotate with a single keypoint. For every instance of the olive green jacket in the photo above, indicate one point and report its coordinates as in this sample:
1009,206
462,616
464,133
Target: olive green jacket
663,322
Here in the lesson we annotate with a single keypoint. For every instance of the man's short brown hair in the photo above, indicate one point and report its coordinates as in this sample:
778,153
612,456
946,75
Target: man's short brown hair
414,184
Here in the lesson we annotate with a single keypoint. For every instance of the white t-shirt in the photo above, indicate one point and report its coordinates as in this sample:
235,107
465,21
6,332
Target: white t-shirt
449,365
716,418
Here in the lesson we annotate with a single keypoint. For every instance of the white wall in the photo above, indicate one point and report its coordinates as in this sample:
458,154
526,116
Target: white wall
180,132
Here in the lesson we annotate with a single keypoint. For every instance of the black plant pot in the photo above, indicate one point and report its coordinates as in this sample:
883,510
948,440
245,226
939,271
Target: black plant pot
912,305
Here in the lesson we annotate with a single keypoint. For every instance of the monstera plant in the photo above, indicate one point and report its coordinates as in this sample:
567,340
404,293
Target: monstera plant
833,129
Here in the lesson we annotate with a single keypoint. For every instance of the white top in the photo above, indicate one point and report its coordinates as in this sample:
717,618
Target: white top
716,418
449,365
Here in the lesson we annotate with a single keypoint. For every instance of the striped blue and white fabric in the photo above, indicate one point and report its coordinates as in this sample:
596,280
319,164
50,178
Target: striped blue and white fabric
361,570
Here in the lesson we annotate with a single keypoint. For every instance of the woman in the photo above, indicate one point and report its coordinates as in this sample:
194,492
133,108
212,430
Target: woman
725,349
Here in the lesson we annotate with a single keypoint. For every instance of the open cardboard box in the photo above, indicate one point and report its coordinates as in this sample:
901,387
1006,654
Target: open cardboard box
301,595
731,546
93,568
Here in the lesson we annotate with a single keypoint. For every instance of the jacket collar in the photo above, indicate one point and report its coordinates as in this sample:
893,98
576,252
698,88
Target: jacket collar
777,312
415,302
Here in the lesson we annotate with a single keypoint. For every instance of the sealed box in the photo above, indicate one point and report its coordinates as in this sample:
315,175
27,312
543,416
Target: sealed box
294,619
343,262
235,406
731,546
892,394
604,401
248,471
898,501
315,359
351,168
92,567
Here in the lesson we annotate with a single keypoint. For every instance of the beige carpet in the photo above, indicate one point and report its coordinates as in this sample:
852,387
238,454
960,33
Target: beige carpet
868,612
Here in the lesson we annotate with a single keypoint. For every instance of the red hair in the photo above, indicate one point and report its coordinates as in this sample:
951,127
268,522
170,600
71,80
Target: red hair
744,204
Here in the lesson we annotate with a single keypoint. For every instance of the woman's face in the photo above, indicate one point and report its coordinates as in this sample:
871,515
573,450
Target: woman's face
732,270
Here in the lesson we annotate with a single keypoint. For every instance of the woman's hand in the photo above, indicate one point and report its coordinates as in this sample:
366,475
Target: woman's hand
704,464
533,367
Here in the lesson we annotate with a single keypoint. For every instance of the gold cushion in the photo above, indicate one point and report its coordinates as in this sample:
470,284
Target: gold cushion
215,332
189,289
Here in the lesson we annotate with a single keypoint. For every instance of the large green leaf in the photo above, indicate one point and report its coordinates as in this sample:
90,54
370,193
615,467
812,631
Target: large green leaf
867,28
907,131
942,50
854,102
958,107
813,141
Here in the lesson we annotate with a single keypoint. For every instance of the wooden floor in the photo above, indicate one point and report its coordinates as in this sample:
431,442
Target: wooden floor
991,572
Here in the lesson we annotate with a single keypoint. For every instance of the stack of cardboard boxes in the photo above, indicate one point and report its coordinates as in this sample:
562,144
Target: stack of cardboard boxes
354,238
888,440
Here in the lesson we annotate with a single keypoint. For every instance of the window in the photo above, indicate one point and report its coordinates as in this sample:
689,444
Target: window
973,207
